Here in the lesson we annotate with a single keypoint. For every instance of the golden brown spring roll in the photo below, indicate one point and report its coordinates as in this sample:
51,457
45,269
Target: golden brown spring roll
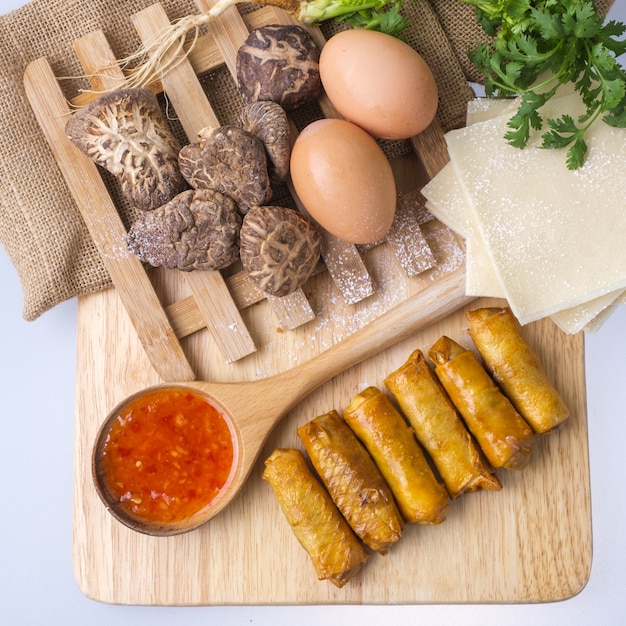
421,498
336,552
354,482
501,432
516,367
439,428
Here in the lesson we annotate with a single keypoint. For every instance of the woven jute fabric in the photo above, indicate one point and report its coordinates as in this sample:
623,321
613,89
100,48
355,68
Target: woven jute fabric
40,226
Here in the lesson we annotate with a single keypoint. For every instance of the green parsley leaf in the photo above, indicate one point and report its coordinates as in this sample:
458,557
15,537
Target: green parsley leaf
542,44
577,153
526,118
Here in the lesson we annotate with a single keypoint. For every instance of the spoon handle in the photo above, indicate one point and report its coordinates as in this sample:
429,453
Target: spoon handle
419,311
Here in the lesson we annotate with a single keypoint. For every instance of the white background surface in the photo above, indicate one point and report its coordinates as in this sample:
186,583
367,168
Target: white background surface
37,586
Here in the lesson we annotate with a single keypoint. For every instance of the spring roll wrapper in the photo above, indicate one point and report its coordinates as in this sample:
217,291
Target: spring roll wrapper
438,427
421,498
336,552
354,482
501,432
516,367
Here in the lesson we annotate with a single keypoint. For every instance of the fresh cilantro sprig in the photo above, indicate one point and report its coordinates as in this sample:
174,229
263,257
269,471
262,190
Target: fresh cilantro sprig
539,46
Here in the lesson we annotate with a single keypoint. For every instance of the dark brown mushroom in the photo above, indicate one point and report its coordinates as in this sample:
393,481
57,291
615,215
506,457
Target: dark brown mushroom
279,62
279,248
230,160
268,121
125,132
197,230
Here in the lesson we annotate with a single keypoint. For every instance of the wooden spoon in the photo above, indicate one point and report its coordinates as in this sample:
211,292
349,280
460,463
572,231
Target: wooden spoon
254,408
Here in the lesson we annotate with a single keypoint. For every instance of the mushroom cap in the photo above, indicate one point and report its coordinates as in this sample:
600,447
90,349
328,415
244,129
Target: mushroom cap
268,121
231,161
279,62
279,248
125,132
197,230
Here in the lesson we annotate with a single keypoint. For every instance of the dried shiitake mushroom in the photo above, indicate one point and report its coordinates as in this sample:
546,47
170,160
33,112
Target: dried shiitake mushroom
279,62
279,248
230,160
268,121
125,132
197,230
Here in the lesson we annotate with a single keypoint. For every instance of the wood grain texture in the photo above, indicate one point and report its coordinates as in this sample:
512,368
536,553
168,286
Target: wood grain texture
530,542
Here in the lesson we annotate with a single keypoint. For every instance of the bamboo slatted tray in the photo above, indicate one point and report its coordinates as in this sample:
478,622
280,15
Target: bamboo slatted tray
214,304
530,542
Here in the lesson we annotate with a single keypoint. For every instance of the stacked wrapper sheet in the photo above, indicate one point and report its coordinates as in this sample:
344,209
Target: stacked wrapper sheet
549,240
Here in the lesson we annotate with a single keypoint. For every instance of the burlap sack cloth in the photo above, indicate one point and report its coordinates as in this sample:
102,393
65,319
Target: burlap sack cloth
40,226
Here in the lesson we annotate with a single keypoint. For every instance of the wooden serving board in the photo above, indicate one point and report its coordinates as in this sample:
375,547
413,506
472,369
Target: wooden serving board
531,542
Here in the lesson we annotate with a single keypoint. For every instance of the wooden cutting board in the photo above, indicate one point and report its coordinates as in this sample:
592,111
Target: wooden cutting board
530,542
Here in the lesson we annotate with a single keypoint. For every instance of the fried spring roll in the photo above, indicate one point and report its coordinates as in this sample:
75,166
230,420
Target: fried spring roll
354,482
516,367
336,552
421,498
501,432
439,428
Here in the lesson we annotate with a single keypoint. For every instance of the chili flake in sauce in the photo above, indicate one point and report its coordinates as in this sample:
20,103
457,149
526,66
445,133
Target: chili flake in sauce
167,455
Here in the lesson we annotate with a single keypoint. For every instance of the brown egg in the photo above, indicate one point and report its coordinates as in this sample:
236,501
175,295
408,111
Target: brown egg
344,180
378,82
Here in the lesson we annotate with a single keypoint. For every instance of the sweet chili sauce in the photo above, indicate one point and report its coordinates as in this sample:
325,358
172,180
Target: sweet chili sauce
167,455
